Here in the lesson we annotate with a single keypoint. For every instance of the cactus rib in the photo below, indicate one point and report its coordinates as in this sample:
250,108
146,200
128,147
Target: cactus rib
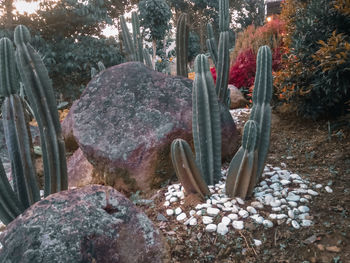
223,66
182,32
211,44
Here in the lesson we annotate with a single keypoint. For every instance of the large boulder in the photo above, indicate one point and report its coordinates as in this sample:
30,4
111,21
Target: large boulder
237,99
80,170
126,119
91,224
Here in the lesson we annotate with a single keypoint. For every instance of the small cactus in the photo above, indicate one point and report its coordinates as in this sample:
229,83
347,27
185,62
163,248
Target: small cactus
206,122
261,110
182,32
127,40
187,170
101,66
38,88
211,44
241,175
147,58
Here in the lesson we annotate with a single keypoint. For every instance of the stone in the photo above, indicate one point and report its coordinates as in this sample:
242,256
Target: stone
207,220
267,223
328,189
94,223
67,130
193,221
169,212
293,197
257,204
239,225
178,211
295,224
181,217
306,222
80,170
213,211
126,119
233,216
257,242
226,220
303,209
210,228
222,229
237,99
251,210
243,213
291,214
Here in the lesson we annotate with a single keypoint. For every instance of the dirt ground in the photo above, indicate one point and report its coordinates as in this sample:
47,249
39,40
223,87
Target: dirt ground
309,149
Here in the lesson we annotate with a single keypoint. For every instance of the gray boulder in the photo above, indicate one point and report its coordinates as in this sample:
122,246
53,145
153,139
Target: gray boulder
91,224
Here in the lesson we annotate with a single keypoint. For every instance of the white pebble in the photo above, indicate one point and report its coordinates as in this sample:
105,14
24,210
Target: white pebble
173,199
267,223
178,211
304,200
257,242
210,228
303,216
257,204
199,206
169,212
199,212
293,197
227,204
285,182
306,222
192,212
181,217
295,176
207,220
281,216
293,204
240,201
239,225
273,216
168,197
213,211
251,210
243,213
226,220
258,219
328,189
233,216
318,186
275,203
222,229
291,214
166,203
312,192
276,209
295,224
303,209
193,221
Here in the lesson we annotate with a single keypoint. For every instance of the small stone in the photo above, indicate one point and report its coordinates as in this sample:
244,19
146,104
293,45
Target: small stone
333,249
273,216
167,198
192,212
199,212
181,217
210,228
268,199
281,216
239,225
295,177
233,216
293,204
222,229
318,186
240,201
304,200
257,242
207,220
213,211
235,209
267,223
285,182
208,201
295,224
178,211
276,209
275,203
277,194
312,192
309,197
176,186
303,216
227,204
303,186
251,210
320,247
306,222
169,212
166,203
173,199
193,221
180,195
257,219
199,206
257,204
328,189
293,197
303,209
226,220
243,213
291,214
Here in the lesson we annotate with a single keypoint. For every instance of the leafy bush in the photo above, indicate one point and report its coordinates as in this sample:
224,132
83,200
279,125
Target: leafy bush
315,66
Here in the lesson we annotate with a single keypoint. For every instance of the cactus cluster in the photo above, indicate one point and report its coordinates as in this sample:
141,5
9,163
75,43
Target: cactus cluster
133,44
220,53
94,71
248,163
39,90
182,33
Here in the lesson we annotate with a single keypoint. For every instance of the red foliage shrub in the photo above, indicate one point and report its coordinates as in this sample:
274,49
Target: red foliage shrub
242,73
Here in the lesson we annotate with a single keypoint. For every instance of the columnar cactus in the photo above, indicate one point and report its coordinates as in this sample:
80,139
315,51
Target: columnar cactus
16,129
182,32
147,58
137,37
101,66
241,175
211,44
187,170
261,110
38,88
10,206
127,40
206,122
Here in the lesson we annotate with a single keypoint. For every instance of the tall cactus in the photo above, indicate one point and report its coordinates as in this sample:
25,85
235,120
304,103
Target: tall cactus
16,129
38,87
10,206
241,175
261,110
211,44
187,170
137,37
127,40
206,122
147,58
182,33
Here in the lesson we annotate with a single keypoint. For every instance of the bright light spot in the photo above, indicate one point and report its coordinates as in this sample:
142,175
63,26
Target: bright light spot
26,7
110,31
269,19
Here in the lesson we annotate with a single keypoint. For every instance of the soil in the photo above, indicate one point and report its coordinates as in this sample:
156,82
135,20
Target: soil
307,148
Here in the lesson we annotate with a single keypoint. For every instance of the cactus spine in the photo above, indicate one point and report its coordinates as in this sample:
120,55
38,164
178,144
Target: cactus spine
38,87
182,32
261,110
211,44
241,175
16,129
186,169
137,37
206,122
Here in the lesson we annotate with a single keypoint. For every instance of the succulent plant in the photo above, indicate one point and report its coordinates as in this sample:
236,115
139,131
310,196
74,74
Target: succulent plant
137,37
206,122
101,66
38,88
211,44
16,129
261,110
147,58
242,172
127,40
182,33
187,170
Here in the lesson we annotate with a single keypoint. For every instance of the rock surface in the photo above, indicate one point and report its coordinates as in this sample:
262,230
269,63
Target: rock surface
127,118
80,225
80,171
236,97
